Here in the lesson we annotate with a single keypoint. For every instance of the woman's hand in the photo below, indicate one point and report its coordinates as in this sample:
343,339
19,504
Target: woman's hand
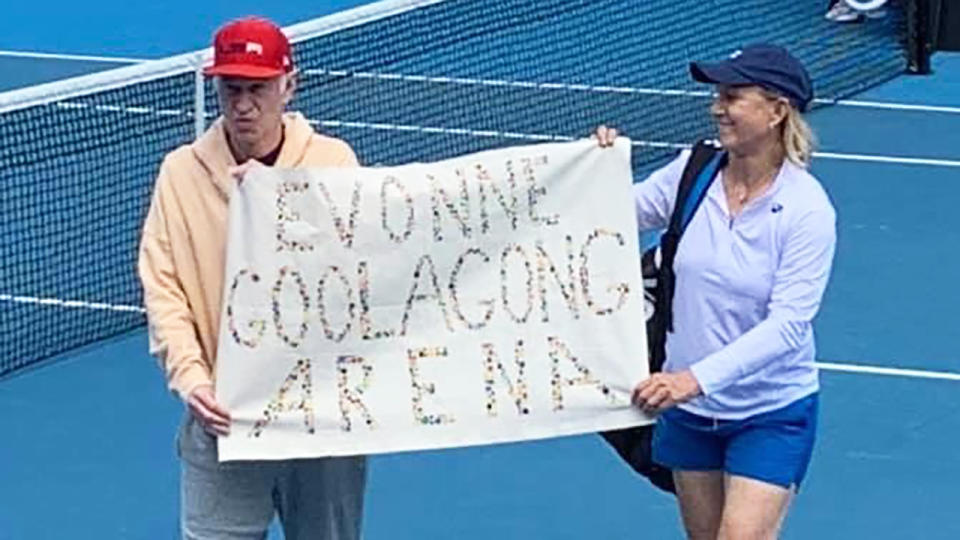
664,390
605,136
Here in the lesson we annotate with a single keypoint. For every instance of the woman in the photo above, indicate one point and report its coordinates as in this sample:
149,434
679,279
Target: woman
737,400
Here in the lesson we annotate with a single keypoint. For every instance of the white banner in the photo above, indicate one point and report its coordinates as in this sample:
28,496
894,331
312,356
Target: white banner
488,298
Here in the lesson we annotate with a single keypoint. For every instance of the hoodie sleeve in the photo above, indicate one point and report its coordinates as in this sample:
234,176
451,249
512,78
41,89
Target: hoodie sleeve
171,324
327,151
348,157
798,288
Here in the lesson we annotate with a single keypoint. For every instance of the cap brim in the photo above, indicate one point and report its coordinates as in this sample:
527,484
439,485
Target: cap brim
245,71
719,73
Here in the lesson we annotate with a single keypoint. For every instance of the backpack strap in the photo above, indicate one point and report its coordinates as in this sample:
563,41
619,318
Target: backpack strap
705,161
634,445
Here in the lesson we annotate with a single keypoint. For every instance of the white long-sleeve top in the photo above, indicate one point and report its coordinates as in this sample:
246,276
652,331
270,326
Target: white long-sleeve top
747,289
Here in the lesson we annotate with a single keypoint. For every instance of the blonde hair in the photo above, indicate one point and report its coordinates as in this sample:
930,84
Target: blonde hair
796,134
798,139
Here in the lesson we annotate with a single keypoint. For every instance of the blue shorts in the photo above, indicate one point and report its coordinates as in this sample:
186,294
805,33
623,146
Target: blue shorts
774,447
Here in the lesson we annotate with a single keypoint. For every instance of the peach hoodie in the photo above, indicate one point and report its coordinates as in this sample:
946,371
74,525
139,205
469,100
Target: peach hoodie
183,248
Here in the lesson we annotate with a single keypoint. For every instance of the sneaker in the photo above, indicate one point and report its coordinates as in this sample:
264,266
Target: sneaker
842,13
877,8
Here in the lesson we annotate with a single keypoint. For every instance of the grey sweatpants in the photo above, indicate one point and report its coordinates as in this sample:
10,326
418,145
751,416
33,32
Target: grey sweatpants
314,498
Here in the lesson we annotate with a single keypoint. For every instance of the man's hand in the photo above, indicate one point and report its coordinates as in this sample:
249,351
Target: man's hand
240,172
664,390
204,407
605,136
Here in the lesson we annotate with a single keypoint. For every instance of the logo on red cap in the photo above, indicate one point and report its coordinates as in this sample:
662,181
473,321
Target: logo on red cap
251,48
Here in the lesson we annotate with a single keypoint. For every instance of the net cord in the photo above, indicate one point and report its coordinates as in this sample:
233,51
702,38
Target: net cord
192,61
919,45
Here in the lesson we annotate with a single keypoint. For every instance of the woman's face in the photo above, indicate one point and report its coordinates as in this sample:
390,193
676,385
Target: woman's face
746,117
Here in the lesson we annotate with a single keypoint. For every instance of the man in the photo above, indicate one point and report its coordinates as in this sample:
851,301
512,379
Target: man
182,258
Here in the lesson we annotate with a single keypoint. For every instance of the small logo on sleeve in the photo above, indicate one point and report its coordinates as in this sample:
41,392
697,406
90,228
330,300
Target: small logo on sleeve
776,208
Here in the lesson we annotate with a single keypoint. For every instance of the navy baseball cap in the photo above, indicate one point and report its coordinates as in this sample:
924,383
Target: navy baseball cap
768,66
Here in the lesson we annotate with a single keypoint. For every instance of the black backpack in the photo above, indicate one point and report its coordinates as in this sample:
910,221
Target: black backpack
634,444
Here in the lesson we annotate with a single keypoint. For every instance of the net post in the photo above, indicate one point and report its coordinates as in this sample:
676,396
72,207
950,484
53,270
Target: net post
918,37
199,98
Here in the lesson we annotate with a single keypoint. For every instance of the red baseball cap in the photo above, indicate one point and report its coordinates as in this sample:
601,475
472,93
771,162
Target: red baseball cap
252,48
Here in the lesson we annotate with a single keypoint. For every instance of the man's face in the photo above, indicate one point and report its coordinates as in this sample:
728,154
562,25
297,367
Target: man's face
253,108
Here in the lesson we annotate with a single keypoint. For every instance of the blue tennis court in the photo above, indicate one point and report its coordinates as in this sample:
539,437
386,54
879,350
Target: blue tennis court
87,437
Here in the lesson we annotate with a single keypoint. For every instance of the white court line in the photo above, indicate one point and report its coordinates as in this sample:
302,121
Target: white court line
480,133
645,144
507,83
828,366
895,372
389,8
441,130
81,57
505,134
76,304
607,89
126,109
889,159
891,105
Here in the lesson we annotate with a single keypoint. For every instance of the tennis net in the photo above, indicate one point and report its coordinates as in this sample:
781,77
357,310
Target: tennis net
400,80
